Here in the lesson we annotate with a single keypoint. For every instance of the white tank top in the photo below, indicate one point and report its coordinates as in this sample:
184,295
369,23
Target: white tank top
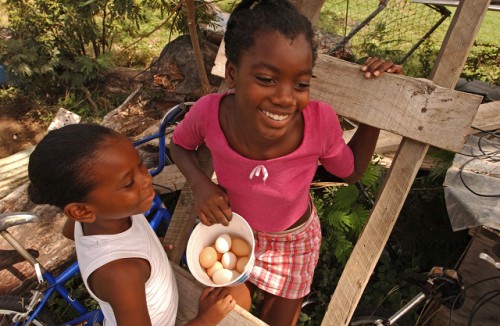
139,241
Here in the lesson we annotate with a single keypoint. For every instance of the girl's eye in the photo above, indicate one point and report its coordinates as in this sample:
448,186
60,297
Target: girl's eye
264,80
303,86
129,184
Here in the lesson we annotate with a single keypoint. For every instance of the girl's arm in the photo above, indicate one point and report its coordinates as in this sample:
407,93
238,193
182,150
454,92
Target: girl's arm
365,138
122,284
362,144
211,201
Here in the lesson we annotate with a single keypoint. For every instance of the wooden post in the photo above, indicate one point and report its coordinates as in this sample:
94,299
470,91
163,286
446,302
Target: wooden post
454,51
309,8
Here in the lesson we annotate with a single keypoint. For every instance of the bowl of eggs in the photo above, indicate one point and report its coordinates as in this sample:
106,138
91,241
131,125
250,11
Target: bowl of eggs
219,255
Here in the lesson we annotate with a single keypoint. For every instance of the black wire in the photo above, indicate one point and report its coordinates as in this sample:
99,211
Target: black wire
463,292
460,174
479,304
491,156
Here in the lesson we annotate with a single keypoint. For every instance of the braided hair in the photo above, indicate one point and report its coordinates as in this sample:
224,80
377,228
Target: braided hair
59,166
252,18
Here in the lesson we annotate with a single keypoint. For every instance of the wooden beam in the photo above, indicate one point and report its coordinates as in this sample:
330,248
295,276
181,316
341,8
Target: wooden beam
366,253
414,108
487,117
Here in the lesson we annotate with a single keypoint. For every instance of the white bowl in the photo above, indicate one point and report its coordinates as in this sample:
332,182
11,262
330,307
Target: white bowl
204,236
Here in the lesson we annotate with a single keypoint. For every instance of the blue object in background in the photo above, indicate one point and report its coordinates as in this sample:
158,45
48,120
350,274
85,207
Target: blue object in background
3,77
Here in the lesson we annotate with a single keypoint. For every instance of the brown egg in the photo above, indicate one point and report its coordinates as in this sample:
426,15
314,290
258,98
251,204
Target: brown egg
241,263
219,255
240,247
208,256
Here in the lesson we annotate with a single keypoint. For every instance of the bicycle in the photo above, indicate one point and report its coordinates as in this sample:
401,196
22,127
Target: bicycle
441,287
32,311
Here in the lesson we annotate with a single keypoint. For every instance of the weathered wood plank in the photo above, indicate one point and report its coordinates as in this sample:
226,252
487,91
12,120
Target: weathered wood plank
189,294
371,242
169,180
487,117
13,171
473,269
413,108
410,154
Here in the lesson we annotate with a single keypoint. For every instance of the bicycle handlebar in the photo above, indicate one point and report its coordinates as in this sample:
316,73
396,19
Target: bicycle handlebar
167,120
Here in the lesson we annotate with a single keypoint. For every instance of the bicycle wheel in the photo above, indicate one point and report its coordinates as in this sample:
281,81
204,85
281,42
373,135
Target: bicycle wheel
10,306
368,318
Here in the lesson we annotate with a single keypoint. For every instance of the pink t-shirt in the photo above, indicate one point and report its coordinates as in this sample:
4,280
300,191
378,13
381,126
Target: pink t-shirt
270,194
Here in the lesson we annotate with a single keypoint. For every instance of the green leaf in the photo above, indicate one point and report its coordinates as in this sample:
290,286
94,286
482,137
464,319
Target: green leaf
345,197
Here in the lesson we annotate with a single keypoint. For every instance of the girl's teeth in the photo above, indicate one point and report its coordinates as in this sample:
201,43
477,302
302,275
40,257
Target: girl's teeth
276,117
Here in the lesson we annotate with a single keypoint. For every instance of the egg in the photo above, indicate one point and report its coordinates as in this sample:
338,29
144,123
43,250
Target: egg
228,260
215,267
222,276
235,275
241,263
219,255
208,256
223,243
240,247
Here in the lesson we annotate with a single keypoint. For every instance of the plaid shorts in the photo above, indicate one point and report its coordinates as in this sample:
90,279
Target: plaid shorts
285,261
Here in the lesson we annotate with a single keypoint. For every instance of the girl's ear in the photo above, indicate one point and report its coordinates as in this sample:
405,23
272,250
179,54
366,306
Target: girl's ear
230,73
80,212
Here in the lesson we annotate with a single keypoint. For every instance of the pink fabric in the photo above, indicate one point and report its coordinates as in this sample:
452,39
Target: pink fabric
270,194
285,262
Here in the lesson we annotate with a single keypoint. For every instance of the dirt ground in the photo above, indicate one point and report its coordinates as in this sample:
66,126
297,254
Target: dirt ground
20,127
23,125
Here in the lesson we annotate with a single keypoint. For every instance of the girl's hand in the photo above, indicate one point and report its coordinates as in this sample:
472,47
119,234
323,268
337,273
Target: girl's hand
212,204
376,67
214,305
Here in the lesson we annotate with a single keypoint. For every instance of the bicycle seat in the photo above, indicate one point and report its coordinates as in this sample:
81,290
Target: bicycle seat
16,218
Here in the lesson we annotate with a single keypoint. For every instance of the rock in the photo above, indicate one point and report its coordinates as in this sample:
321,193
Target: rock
175,69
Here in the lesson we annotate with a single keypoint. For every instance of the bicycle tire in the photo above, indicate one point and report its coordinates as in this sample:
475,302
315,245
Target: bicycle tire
10,305
368,318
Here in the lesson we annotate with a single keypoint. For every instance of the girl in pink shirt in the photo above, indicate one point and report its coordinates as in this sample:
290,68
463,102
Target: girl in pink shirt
266,138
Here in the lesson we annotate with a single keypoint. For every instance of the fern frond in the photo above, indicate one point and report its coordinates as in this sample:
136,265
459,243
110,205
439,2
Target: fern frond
345,197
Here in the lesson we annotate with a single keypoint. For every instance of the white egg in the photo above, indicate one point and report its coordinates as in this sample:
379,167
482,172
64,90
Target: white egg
236,274
222,276
229,260
223,243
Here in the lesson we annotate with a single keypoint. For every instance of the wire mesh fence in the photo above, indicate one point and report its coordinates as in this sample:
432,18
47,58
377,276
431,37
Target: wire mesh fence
370,27
403,31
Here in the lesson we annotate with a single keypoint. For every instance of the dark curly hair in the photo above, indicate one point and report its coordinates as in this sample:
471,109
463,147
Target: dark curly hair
252,18
58,167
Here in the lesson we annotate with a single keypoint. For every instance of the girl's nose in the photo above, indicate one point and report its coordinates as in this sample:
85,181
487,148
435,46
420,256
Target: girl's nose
284,96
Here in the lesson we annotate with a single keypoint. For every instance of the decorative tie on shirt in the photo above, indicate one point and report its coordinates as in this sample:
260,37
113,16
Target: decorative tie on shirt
256,172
